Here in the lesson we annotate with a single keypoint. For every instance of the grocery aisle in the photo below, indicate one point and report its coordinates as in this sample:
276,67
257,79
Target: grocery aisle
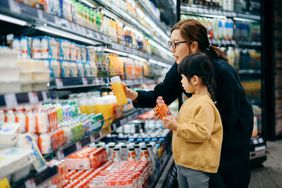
269,175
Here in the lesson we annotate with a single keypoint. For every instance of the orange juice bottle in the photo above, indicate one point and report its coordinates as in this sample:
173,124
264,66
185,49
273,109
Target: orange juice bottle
118,90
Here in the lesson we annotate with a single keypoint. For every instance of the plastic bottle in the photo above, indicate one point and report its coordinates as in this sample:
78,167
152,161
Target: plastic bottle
231,56
118,90
131,154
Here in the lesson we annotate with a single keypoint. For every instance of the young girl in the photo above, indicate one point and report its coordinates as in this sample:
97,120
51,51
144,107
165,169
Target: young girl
197,131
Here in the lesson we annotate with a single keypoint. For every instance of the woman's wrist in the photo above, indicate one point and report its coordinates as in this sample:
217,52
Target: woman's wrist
134,95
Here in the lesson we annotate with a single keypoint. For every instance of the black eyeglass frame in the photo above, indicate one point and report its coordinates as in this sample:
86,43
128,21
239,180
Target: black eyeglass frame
173,44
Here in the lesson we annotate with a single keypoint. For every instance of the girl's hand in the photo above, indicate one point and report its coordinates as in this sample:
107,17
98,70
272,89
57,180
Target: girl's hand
170,123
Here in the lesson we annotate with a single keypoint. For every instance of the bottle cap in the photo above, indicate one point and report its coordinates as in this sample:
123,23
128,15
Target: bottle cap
115,79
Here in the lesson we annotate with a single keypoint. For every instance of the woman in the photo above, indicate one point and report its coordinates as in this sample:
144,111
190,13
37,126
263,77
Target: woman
188,37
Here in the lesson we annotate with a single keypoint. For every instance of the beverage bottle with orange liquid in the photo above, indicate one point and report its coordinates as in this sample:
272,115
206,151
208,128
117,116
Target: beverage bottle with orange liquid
118,90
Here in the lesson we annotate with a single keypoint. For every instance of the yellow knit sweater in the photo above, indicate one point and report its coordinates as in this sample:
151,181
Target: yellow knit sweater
197,141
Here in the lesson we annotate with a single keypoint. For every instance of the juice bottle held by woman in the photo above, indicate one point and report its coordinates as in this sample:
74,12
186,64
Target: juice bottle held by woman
118,90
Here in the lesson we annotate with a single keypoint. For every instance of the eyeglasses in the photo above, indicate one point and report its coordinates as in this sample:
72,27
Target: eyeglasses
173,44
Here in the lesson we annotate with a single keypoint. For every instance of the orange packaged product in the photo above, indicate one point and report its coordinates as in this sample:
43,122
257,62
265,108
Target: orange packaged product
161,109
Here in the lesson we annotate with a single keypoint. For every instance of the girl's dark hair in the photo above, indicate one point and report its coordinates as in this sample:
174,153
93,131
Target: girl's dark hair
198,64
192,30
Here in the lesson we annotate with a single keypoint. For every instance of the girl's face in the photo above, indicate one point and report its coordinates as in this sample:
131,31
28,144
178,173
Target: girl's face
187,85
181,50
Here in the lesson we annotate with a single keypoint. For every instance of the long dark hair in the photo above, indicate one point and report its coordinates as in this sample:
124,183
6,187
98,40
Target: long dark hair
198,64
192,30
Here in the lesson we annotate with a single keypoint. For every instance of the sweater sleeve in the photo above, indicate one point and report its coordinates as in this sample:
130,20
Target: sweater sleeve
200,128
169,89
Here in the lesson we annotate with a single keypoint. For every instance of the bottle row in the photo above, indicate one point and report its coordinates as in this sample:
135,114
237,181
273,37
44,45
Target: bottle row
92,16
229,29
251,6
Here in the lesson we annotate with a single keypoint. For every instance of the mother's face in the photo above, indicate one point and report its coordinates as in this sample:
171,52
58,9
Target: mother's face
180,48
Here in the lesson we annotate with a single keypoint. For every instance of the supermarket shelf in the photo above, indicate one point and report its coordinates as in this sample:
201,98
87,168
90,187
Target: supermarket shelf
93,137
45,22
207,12
11,100
54,25
126,17
79,82
129,51
35,179
152,16
223,42
157,176
166,177
247,44
138,82
249,71
73,83
132,53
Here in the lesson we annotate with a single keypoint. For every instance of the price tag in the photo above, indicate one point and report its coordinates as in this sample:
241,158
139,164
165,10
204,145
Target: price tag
44,95
97,136
94,35
92,138
57,21
15,7
78,145
102,37
74,27
4,183
114,127
124,48
10,100
33,98
123,121
30,183
59,83
60,155
84,81
255,141
260,140
40,16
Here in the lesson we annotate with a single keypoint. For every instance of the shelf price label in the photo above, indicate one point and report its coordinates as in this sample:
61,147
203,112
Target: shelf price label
30,183
59,83
60,155
33,98
78,145
15,7
10,100
84,81
92,138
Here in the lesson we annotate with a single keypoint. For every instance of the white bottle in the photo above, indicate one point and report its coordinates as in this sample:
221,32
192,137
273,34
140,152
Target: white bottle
231,56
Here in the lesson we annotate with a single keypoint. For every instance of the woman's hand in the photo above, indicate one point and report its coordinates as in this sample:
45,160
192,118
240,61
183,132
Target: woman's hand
130,94
170,123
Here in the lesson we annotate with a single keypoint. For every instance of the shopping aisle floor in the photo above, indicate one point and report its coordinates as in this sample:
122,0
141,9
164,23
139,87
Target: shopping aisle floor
269,176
